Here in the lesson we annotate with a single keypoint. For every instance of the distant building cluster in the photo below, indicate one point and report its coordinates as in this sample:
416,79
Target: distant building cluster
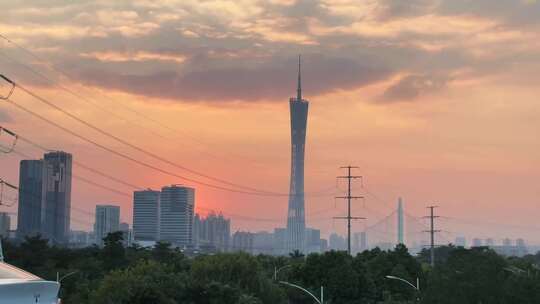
44,206
212,233
276,242
506,247
166,215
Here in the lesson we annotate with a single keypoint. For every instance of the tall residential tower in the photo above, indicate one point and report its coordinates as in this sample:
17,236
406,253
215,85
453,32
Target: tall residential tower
56,200
30,196
146,215
107,221
176,206
296,224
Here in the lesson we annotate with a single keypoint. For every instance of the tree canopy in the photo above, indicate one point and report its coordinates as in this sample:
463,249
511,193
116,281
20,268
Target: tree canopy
117,275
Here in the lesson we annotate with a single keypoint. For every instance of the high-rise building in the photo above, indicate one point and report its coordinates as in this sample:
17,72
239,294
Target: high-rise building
364,241
5,224
280,241
337,242
56,201
176,215
490,242
476,242
296,224
263,242
359,242
212,232
313,240
79,239
30,197
461,241
324,245
242,241
146,215
197,238
509,249
400,239
107,221
127,234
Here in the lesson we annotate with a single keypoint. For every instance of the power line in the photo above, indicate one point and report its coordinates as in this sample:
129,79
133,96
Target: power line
79,96
129,158
78,164
63,73
487,223
93,101
133,146
248,190
8,185
14,142
232,215
85,180
11,89
15,188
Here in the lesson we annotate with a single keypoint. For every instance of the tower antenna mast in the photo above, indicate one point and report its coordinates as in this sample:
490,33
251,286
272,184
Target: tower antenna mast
299,89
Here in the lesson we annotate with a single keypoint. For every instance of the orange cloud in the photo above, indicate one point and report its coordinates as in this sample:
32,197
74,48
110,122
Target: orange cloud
133,56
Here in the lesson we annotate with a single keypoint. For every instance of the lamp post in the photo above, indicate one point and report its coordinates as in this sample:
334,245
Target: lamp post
416,287
276,270
59,279
320,301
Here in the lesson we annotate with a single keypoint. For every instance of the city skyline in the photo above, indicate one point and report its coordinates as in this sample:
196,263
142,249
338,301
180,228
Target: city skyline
447,122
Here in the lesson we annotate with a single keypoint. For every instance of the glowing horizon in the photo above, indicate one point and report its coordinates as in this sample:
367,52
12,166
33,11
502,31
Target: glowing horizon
435,101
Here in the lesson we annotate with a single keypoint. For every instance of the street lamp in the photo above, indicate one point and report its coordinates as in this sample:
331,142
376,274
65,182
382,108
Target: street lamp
276,270
417,287
59,280
320,301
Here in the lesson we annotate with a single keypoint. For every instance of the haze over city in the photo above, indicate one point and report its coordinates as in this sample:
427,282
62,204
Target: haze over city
434,101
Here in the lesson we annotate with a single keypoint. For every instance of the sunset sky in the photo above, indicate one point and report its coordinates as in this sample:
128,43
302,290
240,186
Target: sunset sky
436,101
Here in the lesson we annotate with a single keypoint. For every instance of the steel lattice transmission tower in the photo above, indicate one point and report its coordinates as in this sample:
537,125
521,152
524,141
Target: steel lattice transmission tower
349,197
432,231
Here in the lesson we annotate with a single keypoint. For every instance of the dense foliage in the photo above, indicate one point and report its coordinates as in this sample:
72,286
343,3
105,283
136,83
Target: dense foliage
133,275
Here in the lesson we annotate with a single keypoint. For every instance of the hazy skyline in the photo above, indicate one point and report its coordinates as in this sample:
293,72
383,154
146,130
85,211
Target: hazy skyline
435,101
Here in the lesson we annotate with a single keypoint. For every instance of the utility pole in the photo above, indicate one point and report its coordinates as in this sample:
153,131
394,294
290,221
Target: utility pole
432,232
349,197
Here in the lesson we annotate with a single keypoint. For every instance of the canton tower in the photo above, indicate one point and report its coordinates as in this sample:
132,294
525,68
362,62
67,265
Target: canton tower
296,223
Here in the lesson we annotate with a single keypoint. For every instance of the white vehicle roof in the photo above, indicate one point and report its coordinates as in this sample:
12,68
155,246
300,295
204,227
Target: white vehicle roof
9,272
19,286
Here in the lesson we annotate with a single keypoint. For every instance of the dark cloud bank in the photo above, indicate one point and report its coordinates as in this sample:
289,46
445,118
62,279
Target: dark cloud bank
276,81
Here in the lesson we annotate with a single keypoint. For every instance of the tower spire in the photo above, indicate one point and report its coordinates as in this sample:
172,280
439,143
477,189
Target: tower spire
299,89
